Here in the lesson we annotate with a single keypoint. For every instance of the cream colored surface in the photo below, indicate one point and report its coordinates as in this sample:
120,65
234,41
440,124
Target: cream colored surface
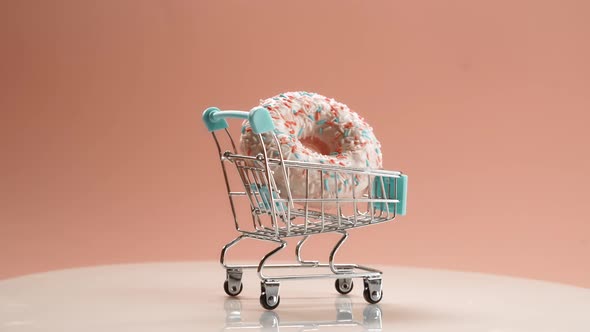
189,297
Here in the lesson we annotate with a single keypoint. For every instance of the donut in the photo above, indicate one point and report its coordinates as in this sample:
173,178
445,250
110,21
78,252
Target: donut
316,129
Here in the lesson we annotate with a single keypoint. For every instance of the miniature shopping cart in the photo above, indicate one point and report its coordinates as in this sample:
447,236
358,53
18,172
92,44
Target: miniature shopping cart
276,214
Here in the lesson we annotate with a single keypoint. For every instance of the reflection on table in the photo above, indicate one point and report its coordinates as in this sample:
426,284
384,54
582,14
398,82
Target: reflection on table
270,320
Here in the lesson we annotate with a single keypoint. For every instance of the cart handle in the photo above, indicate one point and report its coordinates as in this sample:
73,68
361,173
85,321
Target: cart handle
259,118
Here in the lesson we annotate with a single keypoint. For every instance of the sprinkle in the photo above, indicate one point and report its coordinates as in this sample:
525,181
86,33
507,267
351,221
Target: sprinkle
300,132
326,184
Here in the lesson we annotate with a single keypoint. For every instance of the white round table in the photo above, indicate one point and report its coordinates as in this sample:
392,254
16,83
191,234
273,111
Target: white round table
189,297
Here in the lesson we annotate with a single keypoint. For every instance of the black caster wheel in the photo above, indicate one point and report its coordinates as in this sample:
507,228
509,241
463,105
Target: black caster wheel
372,296
232,291
269,303
344,286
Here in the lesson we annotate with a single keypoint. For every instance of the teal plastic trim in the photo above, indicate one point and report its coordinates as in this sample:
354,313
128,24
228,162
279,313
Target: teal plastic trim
390,191
402,194
259,119
265,195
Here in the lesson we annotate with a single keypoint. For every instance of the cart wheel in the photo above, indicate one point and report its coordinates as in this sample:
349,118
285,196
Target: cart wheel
233,290
344,286
269,295
269,303
373,292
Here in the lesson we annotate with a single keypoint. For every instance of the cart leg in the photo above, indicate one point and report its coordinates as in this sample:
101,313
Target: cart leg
281,246
342,285
226,248
340,269
269,289
233,275
298,253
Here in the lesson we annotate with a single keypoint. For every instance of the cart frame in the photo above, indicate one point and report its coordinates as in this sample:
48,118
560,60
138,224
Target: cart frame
275,211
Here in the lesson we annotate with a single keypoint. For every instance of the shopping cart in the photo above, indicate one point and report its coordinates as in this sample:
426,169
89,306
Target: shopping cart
277,214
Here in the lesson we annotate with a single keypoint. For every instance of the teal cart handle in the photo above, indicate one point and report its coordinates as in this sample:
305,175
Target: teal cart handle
259,118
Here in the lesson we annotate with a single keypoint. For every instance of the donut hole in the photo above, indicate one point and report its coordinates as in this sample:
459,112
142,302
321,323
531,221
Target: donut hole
316,145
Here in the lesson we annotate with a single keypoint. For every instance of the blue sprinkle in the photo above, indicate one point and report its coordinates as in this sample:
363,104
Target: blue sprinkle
326,184
297,156
336,120
320,108
300,132
311,117
321,130
320,122
377,150
282,95
243,129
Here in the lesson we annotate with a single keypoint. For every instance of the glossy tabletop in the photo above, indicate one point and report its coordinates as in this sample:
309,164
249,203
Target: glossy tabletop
189,297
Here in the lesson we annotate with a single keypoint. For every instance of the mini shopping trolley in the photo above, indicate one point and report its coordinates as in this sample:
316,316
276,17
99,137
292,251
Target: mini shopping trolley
277,215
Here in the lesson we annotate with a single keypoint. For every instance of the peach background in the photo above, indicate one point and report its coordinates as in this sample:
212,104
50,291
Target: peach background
483,103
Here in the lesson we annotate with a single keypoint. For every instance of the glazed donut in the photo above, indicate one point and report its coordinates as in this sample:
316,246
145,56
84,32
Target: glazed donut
313,128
